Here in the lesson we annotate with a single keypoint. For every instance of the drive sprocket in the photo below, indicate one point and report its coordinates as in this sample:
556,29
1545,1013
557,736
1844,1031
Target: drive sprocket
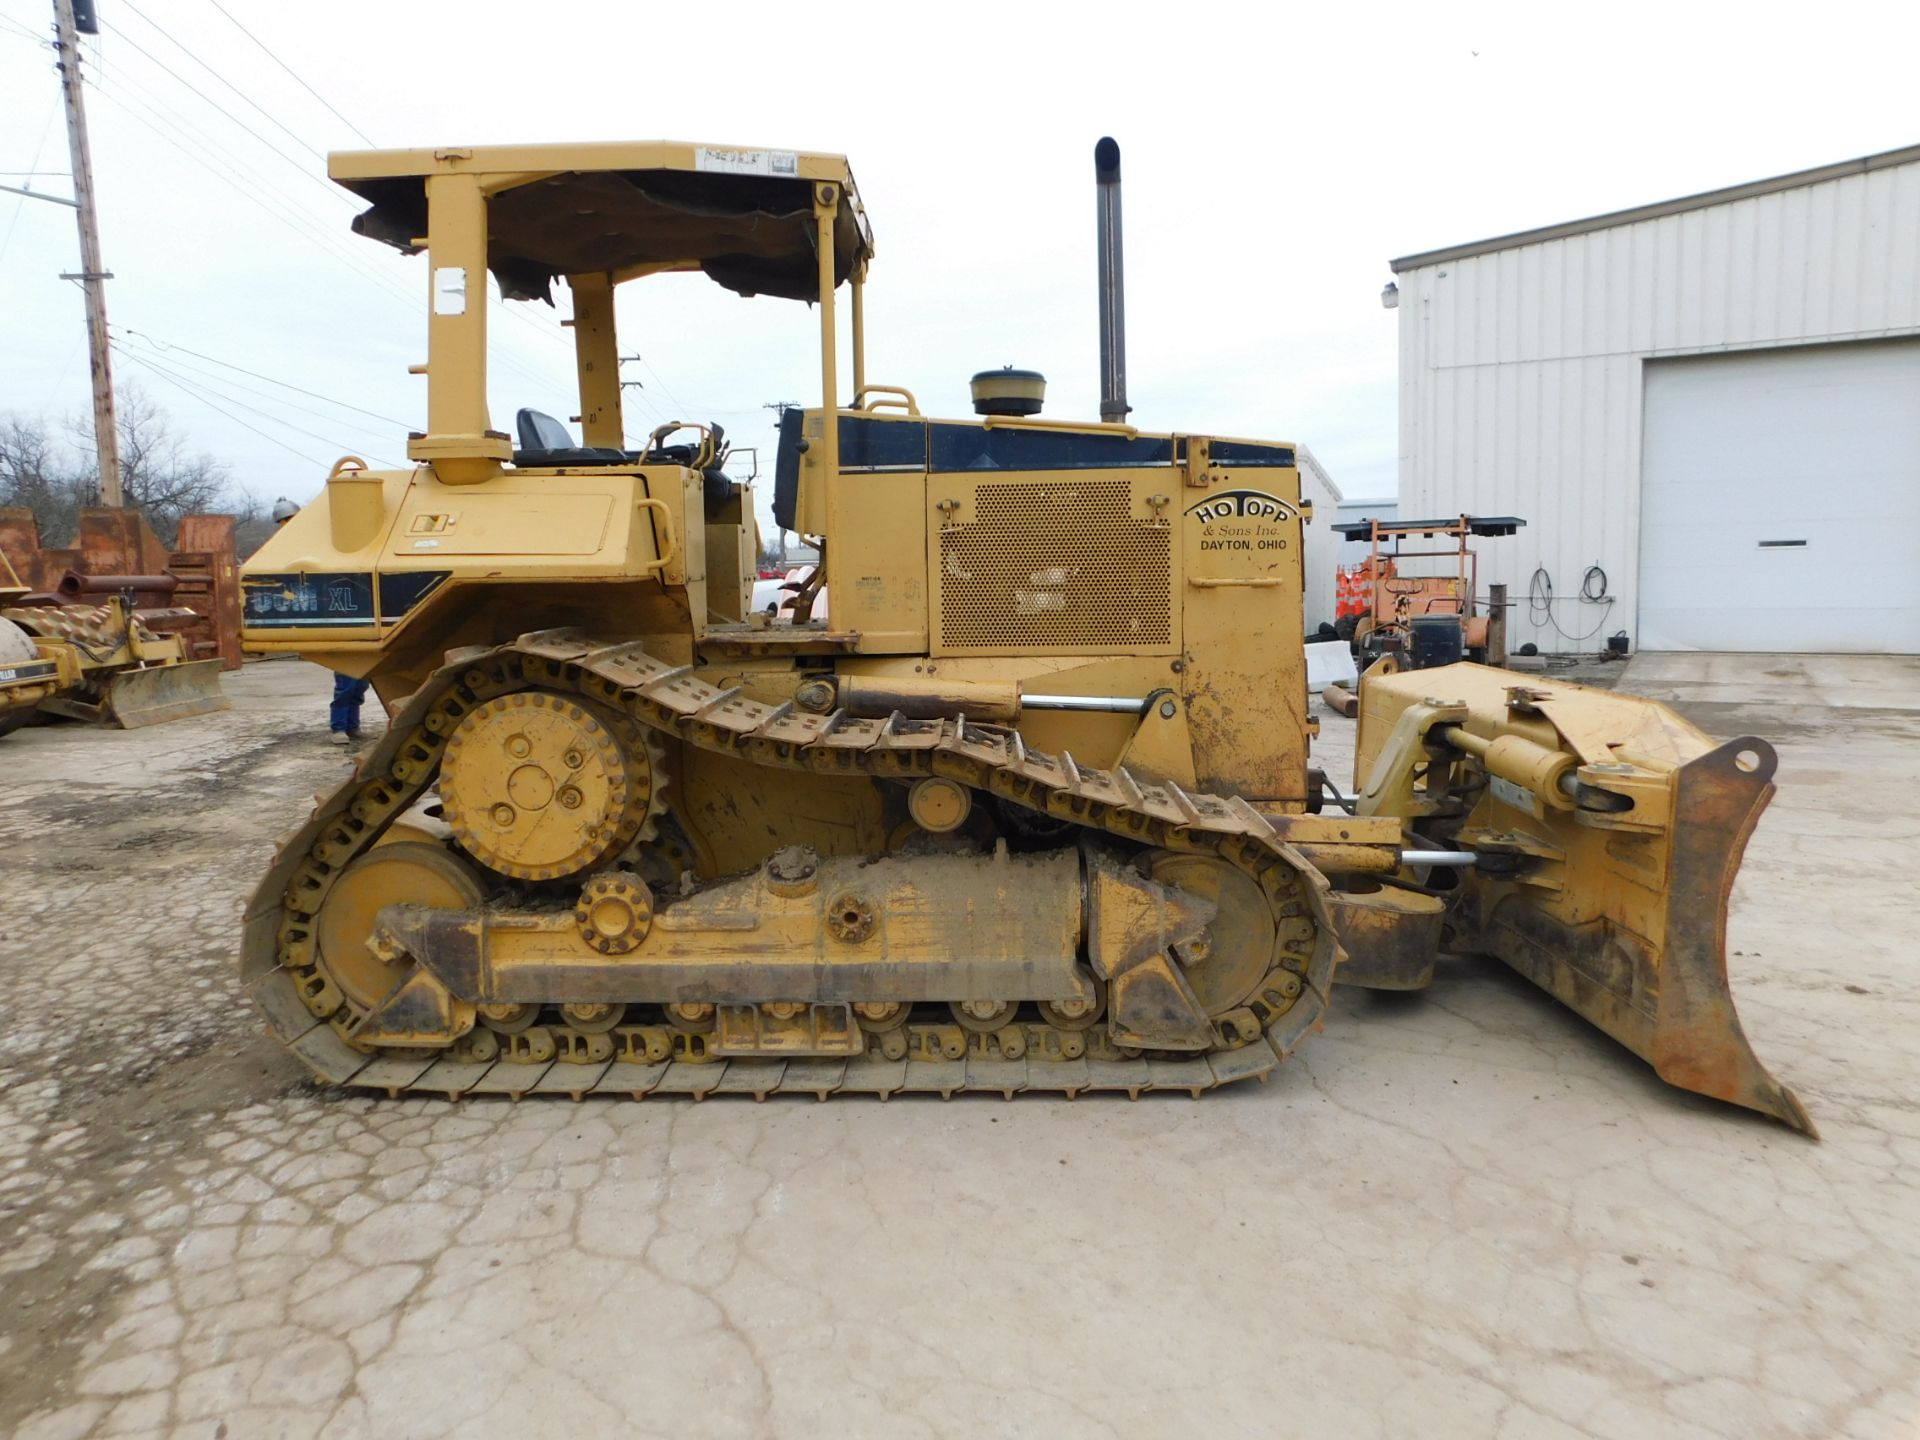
539,785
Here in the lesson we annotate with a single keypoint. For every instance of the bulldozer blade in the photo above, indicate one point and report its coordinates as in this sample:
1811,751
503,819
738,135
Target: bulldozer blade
1615,904
155,694
1698,1043
1671,1004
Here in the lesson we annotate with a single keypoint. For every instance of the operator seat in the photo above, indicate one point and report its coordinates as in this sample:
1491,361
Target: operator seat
544,441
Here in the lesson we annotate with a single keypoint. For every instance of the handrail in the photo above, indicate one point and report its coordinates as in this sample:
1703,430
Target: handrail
648,502
905,401
1085,427
705,454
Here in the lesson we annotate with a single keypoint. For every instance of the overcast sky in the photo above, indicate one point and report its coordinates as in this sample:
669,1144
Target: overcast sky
1275,157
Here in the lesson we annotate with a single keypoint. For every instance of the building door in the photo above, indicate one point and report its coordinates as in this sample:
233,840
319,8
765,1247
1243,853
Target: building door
1780,501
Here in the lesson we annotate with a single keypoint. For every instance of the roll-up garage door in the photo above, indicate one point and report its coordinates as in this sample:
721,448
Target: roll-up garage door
1780,502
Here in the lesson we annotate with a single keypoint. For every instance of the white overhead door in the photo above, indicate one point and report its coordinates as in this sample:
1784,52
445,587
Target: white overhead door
1780,502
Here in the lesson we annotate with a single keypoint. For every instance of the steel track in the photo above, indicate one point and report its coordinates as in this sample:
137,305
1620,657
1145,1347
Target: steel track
278,962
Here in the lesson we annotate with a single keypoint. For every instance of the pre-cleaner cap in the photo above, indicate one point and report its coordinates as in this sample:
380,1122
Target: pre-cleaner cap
1009,392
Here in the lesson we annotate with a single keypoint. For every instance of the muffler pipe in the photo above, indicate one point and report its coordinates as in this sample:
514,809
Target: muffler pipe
1113,308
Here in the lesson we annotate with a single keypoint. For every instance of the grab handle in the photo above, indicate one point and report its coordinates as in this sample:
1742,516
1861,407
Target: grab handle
647,502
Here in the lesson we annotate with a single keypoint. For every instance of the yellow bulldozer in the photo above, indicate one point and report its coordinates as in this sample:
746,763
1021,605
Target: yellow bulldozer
1028,809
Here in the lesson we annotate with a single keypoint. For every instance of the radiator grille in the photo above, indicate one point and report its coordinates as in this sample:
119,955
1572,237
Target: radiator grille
1056,566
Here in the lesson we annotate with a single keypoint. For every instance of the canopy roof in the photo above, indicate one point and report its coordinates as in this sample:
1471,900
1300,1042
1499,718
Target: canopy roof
743,216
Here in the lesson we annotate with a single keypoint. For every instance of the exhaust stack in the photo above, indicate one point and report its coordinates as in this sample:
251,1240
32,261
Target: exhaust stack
1113,307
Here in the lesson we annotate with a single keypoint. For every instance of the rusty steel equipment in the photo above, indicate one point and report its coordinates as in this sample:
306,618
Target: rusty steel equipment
1029,810
1341,700
73,586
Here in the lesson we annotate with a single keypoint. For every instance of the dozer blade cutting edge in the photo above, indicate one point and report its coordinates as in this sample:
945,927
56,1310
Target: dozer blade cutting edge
154,694
147,695
1608,831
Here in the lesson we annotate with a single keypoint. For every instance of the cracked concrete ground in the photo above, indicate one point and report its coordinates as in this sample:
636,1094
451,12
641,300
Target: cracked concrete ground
1463,1213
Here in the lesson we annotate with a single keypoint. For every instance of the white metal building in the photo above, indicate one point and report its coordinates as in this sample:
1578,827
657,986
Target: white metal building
1707,411
1352,552
1319,545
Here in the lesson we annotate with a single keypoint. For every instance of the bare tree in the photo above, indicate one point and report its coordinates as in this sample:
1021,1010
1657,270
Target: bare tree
37,472
56,479
253,522
157,475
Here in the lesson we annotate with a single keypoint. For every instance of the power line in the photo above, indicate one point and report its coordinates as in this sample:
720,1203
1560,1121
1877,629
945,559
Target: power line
167,118
171,346
350,257
215,104
320,235
318,232
268,52
322,232
182,385
165,114
267,397
263,398
66,365
673,399
334,249
315,236
202,390
39,145
519,315
253,407
275,119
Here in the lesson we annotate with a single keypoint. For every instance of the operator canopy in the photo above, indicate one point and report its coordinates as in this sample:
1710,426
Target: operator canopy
745,217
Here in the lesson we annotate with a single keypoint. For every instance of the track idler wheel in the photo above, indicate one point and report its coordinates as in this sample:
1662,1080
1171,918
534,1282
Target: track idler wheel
1226,962
407,872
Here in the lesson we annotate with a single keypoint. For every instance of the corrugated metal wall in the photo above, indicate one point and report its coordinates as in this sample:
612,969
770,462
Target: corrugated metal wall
1521,369
1318,543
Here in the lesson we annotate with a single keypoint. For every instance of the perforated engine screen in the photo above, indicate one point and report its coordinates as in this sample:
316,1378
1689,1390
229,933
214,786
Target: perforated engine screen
1057,566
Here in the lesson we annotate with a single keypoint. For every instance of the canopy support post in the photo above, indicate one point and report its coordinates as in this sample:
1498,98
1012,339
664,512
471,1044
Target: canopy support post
597,358
460,442
826,446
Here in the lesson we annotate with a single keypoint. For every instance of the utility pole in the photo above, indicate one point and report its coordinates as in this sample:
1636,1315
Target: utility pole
93,274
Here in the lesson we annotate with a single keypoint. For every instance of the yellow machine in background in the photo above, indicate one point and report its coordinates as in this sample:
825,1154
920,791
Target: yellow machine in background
95,662
1030,810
